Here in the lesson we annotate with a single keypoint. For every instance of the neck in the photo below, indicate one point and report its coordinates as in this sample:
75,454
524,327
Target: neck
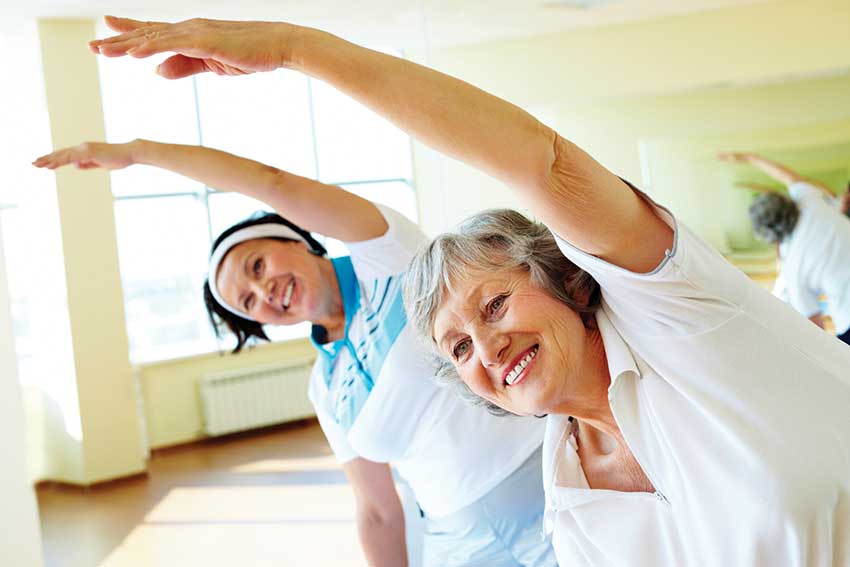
332,315
589,403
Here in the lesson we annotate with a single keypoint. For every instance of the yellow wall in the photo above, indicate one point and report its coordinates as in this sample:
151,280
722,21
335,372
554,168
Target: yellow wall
661,97
172,409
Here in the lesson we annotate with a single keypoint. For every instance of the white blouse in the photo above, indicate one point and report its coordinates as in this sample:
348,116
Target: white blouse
735,406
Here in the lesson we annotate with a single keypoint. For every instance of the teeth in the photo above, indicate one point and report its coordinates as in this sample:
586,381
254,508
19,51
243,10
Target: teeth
287,296
512,375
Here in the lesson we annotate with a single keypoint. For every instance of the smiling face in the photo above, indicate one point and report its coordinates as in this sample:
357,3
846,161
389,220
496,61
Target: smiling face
275,282
513,344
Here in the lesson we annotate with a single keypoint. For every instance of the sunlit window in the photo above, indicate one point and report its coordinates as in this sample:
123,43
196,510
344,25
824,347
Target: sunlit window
166,223
29,217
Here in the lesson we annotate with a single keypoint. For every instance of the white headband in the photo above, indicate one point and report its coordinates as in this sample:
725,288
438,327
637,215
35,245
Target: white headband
267,230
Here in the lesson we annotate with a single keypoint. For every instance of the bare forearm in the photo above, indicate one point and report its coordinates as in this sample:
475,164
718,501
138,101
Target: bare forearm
214,168
755,187
448,114
773,169
314,205
383,541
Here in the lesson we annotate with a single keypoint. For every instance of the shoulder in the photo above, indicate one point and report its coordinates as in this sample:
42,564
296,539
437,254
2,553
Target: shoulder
389,254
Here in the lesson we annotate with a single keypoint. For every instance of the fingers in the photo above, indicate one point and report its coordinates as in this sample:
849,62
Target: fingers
54,160
76,155
124,25
134,34
180,66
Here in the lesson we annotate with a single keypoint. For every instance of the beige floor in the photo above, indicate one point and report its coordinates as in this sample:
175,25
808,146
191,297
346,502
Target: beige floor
271,498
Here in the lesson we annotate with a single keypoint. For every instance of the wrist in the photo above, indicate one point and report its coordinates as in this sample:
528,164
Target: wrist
297,43
139,151
287,44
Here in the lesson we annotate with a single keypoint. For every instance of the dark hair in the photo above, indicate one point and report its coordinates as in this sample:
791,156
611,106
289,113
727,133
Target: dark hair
244,329
774,216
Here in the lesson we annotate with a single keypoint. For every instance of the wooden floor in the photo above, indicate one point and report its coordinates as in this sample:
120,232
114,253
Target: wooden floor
275,498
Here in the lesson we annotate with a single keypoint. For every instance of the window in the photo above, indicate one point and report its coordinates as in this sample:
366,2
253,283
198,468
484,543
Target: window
166,223
29,217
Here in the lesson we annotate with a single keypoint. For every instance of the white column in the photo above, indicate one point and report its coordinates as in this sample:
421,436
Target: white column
111,443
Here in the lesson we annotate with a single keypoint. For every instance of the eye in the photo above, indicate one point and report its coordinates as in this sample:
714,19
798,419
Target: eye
460,349
496,304
249,302
257,266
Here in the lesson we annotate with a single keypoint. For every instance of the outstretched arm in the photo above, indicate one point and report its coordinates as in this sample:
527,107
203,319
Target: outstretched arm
575,195
755,187
773,169
321,208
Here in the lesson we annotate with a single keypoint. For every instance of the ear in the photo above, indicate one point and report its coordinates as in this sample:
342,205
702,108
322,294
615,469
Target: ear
580,294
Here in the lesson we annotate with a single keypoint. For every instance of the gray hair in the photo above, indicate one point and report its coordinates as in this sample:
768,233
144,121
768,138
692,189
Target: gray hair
774,216
493,240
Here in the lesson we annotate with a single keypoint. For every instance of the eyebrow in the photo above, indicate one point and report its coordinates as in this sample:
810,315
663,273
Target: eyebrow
246,269
445,338
451,333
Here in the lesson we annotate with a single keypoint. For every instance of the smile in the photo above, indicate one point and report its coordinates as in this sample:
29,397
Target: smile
287,295
518,372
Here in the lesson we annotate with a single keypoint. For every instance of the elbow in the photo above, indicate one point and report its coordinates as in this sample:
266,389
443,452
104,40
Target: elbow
378,516
566,169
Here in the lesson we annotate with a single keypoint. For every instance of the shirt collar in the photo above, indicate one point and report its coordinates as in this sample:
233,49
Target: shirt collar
350,290
617,352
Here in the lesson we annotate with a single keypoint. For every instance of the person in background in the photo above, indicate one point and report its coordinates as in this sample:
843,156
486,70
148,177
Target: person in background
813,238
475,476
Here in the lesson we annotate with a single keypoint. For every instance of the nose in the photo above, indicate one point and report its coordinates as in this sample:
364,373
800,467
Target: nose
270,289
264,290
492,346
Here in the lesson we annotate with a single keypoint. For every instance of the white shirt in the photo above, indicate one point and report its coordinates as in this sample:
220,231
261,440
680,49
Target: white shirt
375,396
736,408
816,257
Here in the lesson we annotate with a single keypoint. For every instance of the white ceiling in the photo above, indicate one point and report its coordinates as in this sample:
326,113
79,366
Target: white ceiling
398,23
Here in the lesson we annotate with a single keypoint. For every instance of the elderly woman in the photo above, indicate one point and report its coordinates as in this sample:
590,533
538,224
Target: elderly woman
694,419
475,477
813,235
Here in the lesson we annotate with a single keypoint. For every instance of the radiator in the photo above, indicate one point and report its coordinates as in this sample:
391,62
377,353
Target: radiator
242,399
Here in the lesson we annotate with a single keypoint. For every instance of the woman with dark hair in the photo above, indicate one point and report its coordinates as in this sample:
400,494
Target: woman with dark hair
474,475
693,419
812,233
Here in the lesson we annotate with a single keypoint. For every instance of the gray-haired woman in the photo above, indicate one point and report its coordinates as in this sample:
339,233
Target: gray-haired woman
813,235
694,419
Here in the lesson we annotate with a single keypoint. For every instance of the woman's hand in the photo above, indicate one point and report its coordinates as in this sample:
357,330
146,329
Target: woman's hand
90,155
733,157
221,47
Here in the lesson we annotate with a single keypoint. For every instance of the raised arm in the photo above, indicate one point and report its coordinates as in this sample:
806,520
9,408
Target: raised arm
773,169
571,192
326,209
749,185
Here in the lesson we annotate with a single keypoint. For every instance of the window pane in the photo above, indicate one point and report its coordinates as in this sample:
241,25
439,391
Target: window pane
395,194
226,209
353,142
265,117
137,103
30,223
162,245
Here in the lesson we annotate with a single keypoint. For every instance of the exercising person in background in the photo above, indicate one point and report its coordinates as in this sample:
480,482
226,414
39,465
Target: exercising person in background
813,238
